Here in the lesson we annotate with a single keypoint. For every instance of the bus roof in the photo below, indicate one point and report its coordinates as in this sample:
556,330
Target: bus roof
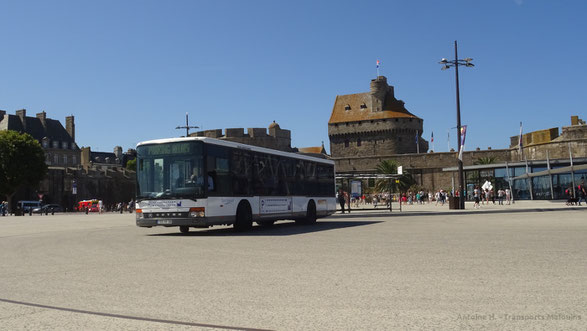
235,145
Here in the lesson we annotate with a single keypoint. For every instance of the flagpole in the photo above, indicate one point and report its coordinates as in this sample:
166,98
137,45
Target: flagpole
448,139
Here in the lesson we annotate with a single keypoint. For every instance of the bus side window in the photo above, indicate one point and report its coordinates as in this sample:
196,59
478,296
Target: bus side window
241,169
218,174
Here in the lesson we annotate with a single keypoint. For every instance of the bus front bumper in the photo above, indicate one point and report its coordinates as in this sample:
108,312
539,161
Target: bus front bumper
196,222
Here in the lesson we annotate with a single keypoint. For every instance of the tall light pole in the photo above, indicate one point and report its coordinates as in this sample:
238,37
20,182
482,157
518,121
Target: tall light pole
187,126
456,63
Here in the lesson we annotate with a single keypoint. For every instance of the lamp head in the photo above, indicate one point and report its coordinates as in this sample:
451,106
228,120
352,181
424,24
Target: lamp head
468,59
445,67
443,61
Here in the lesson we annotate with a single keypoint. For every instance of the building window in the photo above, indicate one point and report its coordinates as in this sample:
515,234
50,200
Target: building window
64,159
399,138
347,107
358,142
55,144
45,143
56,159
363,106
346,143
48,159
73,160
397,119
64,145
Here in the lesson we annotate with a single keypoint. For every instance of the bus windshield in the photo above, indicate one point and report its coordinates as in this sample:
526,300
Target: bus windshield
170,171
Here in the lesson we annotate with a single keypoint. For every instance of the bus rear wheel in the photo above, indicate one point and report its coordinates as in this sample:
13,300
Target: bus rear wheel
184,229
244,217
310,214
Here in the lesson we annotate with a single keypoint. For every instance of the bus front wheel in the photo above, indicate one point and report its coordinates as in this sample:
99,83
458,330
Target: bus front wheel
244,217
184,229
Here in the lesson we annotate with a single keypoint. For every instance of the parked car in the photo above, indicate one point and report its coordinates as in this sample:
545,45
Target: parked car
25,206
51,208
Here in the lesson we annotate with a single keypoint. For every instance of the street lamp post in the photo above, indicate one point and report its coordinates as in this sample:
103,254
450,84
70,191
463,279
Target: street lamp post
446,65
187,126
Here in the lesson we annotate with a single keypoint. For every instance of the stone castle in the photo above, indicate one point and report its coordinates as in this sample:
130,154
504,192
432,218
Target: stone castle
367,128
374,123
277,138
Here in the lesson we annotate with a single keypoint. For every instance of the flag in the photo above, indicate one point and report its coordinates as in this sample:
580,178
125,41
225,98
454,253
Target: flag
520,139
432,137
378,64
463,136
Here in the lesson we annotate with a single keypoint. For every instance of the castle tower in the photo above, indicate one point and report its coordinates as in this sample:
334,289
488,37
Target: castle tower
374,123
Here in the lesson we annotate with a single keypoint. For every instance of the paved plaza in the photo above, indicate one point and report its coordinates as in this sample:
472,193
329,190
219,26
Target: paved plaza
499,267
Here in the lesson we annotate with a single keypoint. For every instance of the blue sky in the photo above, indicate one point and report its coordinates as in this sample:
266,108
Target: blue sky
130,70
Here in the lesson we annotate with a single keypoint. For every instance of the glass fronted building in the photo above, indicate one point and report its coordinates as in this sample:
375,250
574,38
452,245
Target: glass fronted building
531,180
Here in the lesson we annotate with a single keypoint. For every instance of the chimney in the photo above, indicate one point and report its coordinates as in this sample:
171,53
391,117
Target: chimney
22,114
118,151
70,126
43,117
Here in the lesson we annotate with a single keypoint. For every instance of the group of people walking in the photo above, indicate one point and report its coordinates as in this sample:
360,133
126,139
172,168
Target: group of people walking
484,196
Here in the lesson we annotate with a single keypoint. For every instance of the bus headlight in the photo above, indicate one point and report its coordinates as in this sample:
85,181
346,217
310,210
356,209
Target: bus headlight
197,212
139,213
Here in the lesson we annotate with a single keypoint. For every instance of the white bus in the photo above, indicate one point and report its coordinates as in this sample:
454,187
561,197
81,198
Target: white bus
201,182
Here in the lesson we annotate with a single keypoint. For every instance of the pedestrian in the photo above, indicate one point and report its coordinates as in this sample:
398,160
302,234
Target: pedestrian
582,192
476,196
500,194
508,196
341,200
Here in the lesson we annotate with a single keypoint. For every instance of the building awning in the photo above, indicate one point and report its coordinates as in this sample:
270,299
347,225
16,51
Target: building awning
562,170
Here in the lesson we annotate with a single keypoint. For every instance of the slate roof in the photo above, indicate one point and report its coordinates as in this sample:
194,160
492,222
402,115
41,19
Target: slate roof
313,150
53,129
392,108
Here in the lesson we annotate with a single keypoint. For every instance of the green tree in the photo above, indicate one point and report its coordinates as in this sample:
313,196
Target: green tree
131,165
389,167
22,163
485,160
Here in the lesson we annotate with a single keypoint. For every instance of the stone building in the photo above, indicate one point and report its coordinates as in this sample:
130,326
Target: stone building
104,160
57,141
277,138
367,128
374,124
71,178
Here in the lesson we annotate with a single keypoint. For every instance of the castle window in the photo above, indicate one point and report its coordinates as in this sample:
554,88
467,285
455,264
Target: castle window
363,106
346,143
347,107
358,142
